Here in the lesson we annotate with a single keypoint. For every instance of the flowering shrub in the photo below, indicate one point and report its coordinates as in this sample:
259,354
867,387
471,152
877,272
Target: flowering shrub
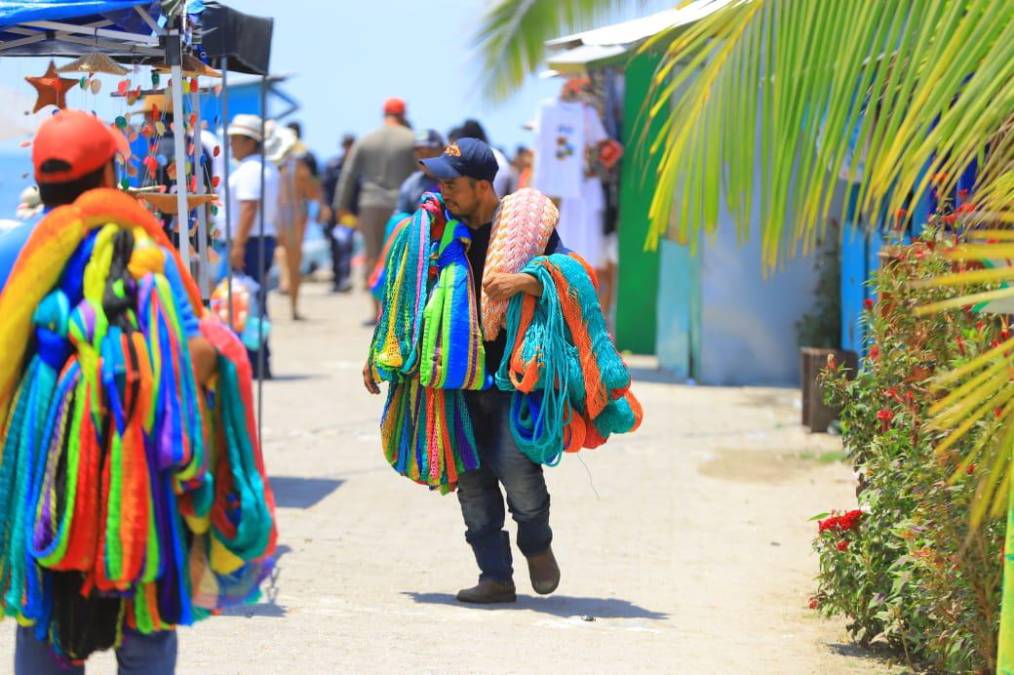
905,568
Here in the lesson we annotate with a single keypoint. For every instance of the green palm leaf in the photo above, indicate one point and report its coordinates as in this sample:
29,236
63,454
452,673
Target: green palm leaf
513,34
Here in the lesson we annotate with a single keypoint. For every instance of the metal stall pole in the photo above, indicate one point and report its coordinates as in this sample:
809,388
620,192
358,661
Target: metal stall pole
203,265
226,150
174,57
262,254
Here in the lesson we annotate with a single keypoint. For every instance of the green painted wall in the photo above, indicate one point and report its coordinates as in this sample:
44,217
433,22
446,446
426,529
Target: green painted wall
637,290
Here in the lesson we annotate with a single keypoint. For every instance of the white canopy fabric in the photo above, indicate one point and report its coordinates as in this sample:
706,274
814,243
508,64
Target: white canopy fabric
636,30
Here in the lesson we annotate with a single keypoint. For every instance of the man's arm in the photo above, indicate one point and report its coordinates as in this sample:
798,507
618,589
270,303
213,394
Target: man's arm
503,286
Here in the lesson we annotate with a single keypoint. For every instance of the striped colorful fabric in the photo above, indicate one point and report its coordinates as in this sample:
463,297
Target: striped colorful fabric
116,464
453,356
521,229
572,389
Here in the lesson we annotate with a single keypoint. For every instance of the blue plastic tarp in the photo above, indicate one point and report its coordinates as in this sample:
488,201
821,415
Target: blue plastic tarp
14,12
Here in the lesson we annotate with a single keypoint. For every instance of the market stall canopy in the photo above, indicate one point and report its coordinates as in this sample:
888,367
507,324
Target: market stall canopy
243,39
125,29
602,46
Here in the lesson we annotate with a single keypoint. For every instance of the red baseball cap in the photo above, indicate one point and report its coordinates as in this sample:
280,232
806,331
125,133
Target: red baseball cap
79,140
394,106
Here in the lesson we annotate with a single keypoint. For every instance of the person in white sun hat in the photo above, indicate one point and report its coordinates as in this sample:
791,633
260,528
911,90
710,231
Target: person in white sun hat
253,249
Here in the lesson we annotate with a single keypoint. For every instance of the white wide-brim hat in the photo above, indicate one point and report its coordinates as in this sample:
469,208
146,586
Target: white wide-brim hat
246,125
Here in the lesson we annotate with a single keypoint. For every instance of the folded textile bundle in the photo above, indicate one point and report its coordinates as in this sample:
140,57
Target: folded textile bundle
429,347
572,389
133,496
522,227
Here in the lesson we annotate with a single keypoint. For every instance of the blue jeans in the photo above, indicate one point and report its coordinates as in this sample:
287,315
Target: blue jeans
138,654
253,268
482,503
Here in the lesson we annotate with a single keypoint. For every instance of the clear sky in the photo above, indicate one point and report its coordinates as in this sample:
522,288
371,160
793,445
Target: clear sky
347,56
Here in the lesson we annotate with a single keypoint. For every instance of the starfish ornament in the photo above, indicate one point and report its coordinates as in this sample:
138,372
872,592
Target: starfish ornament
52,88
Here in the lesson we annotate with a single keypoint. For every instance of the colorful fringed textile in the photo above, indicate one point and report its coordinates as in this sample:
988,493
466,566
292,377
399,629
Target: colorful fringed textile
572,389
394,351
429,347
131,495
427,434
453,356
522,227
378,277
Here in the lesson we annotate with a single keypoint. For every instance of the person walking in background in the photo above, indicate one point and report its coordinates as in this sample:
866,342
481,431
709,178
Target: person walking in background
253,250
298,188
428,144
339,235
371,177
502,183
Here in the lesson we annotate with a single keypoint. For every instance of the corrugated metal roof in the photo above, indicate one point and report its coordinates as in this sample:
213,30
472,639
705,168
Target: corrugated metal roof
637,30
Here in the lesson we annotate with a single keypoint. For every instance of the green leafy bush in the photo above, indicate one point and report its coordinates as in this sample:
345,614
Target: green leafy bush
905,568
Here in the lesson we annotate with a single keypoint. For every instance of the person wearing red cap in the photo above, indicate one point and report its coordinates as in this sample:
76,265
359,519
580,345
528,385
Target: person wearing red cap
74,152
377,165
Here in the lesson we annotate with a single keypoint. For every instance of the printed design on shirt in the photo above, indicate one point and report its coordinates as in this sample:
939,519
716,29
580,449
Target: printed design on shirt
564,146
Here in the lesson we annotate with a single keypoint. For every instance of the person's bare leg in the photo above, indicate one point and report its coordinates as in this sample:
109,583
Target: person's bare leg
294,258
281,262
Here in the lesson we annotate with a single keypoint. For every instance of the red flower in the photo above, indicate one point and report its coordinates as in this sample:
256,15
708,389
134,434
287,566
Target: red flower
868,304
891,392
885,415
998,411
961,344
850,519
967,207
843,545
950,218
874,353
813,603
970,470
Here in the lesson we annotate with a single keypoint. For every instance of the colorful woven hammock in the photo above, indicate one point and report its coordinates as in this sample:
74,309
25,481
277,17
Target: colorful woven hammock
135,497
378,277
572,389
429,347
521,229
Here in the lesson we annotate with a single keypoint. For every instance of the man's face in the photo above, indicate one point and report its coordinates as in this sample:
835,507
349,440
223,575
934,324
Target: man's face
241,146
461,196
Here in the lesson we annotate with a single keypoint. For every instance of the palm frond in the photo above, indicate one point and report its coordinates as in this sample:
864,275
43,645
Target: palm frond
511,39
776,98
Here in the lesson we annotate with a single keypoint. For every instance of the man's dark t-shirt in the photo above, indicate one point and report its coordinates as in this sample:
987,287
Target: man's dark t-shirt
477,259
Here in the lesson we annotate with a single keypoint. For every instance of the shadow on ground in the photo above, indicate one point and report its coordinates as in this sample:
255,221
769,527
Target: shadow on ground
294,377
294,492
269,607
557,605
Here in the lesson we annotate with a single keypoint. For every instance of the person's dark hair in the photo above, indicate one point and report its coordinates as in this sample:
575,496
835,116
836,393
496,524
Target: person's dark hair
472,129
297,128
58,194
454,135
348,140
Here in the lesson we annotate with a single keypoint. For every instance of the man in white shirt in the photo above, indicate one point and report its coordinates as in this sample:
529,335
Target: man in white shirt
254,239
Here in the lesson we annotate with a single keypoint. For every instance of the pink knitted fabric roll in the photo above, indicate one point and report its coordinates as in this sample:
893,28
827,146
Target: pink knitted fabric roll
521,230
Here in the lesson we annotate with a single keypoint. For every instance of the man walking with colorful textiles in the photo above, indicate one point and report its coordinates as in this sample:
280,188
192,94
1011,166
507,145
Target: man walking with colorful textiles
466,171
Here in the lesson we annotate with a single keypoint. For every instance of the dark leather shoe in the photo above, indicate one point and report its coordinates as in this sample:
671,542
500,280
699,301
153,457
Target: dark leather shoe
488,592
544,572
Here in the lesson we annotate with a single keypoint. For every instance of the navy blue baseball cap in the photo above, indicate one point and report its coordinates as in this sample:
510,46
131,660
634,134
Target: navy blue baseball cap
469,157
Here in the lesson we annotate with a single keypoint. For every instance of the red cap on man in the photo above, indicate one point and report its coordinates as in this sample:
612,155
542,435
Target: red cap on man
80,144
394,106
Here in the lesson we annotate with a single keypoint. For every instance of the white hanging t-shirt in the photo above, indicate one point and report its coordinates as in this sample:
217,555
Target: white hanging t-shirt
559,148
245,185
562,174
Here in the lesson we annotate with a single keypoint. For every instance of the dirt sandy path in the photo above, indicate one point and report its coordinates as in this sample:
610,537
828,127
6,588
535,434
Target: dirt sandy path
685,548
